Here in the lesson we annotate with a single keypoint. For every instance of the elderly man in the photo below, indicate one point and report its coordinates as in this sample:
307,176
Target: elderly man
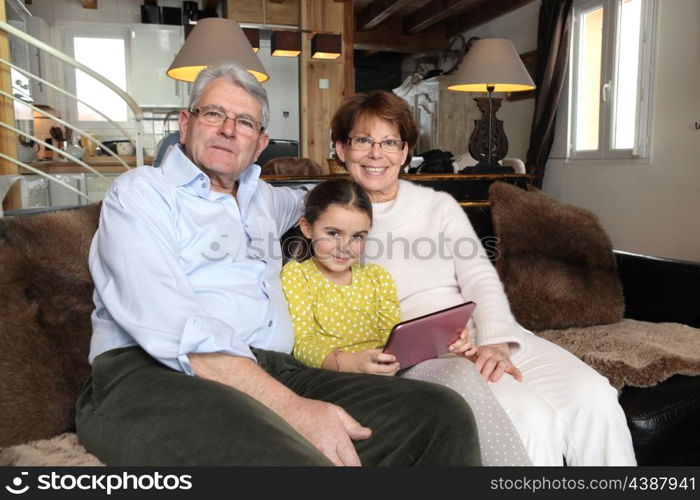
191,332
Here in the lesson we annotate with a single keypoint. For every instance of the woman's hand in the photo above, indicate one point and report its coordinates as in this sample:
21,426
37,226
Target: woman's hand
463,345
372,361
492,361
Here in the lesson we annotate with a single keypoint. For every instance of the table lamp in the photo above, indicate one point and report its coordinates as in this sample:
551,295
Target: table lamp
491,65
215,40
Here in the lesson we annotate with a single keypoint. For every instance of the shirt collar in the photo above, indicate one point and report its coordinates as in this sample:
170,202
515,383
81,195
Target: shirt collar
180,171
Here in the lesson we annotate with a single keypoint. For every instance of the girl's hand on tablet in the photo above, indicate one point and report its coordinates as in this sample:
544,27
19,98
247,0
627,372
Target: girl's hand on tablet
372,361
463,345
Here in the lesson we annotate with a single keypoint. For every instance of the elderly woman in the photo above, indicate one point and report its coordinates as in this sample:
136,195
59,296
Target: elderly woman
560,406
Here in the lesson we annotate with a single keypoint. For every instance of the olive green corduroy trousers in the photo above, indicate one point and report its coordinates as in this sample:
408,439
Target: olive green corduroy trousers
135,411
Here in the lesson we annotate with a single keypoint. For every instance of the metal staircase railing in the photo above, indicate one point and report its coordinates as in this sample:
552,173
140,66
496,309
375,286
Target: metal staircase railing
131,103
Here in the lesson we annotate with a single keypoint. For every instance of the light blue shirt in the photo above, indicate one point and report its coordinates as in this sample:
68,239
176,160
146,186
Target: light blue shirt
180,269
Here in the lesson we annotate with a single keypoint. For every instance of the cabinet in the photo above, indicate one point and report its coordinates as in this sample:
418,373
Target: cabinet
152,48
442,115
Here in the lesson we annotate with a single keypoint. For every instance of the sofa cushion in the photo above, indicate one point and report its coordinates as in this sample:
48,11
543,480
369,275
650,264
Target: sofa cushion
45,309
555,261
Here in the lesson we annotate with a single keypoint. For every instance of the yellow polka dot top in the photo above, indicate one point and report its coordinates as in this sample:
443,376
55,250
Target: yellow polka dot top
327,316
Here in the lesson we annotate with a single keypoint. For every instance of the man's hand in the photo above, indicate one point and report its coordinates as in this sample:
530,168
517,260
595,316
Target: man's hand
329,428
372,361
492,361
463,345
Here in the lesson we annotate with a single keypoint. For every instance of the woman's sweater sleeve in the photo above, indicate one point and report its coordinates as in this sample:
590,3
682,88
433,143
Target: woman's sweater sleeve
478,279
388,307
309,345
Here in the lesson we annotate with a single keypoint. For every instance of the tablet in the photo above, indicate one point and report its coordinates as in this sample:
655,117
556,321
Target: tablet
429,336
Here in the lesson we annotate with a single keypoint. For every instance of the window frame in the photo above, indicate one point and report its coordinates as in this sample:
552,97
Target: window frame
641,151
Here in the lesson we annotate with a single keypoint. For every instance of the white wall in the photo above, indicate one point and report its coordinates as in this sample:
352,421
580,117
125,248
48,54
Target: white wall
111,11
653,208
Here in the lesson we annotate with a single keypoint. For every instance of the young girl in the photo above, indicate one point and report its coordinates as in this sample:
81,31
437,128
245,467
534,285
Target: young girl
343,311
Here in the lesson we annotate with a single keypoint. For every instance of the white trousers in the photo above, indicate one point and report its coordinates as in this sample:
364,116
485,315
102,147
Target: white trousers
564,408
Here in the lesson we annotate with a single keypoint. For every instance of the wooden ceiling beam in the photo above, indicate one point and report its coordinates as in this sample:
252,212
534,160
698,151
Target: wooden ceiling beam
376,12
480,14
276,1
377,39
88,4
434,12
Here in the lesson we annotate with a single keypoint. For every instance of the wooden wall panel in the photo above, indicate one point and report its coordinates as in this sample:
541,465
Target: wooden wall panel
322,15
349,48
264,12
8,140
318,105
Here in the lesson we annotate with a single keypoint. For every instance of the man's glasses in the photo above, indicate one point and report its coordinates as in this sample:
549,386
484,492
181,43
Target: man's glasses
362,143
214,116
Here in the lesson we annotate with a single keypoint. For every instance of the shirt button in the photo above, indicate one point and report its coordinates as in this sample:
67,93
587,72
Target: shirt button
201,177
204,185
269,323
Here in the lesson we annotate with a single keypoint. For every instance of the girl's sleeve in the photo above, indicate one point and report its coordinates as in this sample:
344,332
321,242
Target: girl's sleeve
388,310
310,347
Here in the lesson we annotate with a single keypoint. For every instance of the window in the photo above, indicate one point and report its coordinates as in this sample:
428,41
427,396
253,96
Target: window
610,80
107,56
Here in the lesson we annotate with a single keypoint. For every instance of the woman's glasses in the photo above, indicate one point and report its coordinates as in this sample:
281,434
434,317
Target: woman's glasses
362,143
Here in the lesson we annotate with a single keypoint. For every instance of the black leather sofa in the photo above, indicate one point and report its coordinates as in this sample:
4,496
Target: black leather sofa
664,420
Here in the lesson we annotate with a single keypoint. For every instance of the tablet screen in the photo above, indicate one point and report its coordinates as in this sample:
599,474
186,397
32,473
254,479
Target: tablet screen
429,336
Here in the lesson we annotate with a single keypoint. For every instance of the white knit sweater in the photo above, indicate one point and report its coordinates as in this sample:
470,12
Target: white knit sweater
425,240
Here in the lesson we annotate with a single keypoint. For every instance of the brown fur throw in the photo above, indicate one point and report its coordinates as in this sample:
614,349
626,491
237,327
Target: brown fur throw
633,352
45,330
63,450
556,261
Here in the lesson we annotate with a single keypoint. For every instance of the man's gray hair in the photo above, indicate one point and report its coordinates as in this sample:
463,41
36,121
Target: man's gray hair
235,74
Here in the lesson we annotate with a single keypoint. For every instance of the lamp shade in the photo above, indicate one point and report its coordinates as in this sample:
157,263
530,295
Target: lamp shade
285,43
326,46
492,62
212,41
